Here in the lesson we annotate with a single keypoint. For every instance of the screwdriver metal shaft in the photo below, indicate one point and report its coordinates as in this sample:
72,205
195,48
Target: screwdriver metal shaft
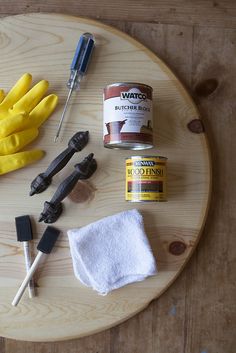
63,115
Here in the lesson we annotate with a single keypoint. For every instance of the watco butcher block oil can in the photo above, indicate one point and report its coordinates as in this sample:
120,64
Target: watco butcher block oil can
145,178
128,116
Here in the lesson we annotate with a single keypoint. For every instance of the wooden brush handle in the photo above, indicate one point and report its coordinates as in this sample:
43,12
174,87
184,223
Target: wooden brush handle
29,275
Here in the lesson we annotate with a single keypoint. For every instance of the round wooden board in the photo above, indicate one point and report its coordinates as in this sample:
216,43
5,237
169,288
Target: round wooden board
43,45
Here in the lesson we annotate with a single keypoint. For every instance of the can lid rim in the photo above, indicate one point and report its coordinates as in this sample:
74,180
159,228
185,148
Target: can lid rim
127,83
161,157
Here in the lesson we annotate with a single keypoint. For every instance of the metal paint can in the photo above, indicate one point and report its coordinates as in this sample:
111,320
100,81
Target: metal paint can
127,116
145,178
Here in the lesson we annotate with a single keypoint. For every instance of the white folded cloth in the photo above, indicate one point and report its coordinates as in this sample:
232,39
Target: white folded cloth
112,252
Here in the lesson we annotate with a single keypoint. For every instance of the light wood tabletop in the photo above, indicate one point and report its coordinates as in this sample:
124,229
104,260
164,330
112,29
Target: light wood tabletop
197,40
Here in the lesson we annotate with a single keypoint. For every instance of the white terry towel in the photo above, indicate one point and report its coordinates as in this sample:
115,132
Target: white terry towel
112,252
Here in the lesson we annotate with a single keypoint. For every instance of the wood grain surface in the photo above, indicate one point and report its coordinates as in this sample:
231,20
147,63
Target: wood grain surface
173,227
197,313
191,12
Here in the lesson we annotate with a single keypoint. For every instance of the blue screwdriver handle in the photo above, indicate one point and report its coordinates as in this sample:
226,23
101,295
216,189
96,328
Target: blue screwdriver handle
82,54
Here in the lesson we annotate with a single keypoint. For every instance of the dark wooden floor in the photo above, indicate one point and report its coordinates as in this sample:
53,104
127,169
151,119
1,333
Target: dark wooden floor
197,39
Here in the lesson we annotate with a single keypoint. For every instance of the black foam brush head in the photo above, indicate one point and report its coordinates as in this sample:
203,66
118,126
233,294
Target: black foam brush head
23,228
48,240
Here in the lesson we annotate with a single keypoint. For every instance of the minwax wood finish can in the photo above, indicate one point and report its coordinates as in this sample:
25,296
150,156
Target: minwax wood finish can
145,178
128,116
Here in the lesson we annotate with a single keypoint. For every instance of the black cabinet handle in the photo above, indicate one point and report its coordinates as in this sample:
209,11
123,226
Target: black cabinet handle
53,209
43,180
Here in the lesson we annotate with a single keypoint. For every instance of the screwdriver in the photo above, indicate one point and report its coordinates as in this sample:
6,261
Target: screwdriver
78,69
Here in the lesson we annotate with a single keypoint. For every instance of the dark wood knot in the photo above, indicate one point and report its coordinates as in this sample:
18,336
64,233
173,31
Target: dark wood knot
196,126
177,248
206,87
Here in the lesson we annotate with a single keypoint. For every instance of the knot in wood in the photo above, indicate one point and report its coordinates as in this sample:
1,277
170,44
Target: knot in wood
196,126
177,248
206,87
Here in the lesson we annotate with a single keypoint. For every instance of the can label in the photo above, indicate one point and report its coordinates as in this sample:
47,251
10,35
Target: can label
146,178
127,114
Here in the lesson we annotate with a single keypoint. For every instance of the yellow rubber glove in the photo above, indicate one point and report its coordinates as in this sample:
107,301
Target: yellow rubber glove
22,112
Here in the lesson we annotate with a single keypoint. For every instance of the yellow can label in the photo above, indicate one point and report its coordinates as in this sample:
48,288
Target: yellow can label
145,178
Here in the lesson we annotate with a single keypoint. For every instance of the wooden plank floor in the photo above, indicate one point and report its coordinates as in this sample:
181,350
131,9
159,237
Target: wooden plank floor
197,39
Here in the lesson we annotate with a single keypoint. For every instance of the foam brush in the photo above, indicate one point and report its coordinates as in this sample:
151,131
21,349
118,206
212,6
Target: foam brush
24,234
45,246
